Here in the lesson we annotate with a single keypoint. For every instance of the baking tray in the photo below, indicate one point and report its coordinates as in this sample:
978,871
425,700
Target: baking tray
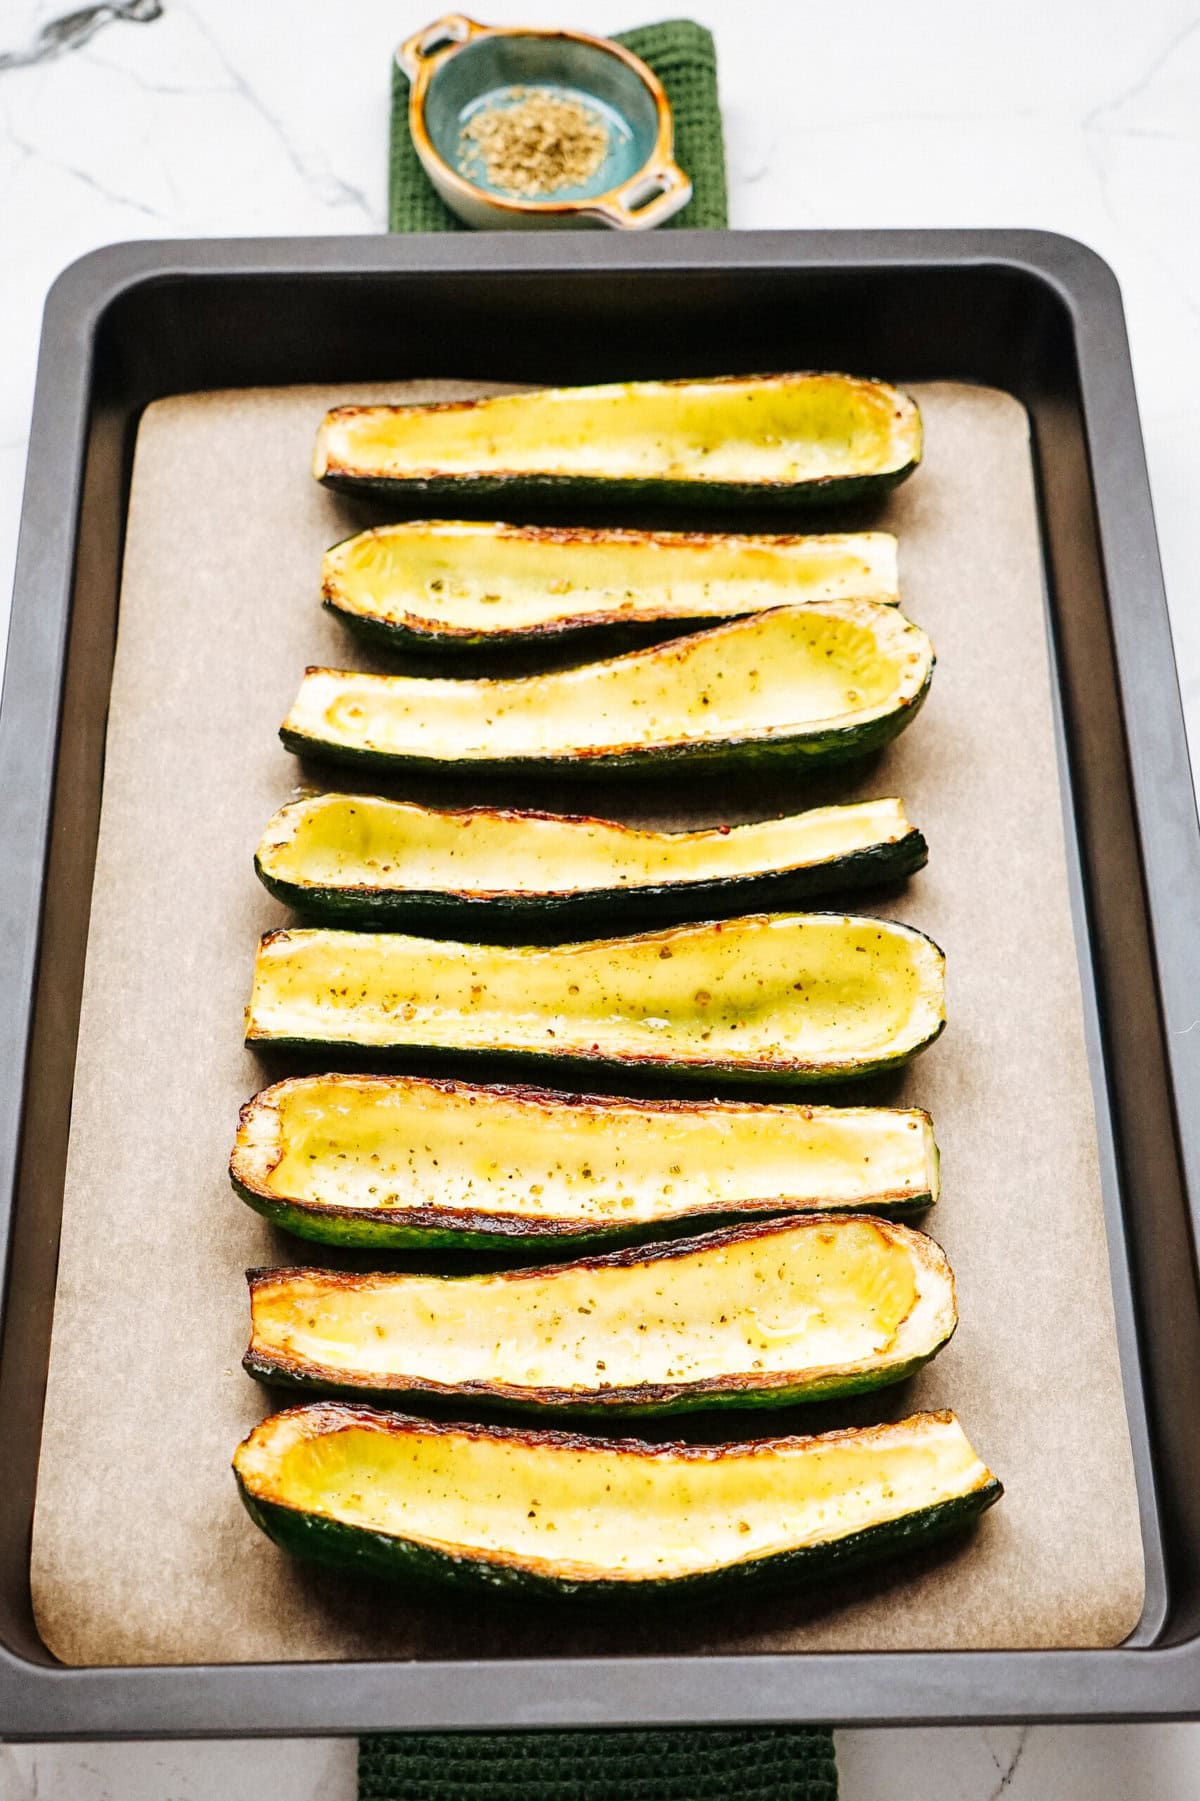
1037,315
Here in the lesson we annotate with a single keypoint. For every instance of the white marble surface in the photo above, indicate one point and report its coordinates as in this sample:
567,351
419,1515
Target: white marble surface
1079,116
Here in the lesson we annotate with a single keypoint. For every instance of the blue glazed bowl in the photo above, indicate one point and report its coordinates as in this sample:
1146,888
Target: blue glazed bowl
459,69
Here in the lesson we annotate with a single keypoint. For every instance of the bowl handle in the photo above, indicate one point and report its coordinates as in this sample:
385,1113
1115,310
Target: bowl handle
433,40
645,200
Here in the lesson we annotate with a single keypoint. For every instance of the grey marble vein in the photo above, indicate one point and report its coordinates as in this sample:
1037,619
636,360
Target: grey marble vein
34,152
321,181
71,30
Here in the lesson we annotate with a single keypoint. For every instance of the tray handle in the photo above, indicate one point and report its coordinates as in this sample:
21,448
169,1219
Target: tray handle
434,40
645,200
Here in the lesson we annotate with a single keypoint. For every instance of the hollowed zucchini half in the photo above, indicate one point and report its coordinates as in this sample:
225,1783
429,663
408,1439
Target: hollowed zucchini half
360,860
403,1163
756,440
792,997
527,1512
815,683
481,589
762,1315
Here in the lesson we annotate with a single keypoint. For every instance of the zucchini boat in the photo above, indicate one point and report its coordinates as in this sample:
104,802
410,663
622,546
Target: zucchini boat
356,859
482,589
405,1163
763,440
809,684
792,997
524,1512
805,1308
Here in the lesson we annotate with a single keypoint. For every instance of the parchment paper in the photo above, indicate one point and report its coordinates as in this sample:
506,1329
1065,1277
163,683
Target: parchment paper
141,1551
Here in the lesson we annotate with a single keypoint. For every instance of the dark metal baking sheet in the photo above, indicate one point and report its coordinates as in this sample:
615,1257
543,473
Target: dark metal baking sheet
1037,315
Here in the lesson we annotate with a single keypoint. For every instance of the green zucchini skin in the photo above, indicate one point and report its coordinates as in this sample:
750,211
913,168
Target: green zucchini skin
556,491
359,1231
838,744
362,1231
714,1399
503,649
545,917
358,1551
539,1066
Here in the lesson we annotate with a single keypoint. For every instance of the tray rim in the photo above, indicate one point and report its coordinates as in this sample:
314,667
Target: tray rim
861,1688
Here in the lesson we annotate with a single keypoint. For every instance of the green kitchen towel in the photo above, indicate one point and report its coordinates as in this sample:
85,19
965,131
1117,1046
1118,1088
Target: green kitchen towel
770,1763
682,55
773,1763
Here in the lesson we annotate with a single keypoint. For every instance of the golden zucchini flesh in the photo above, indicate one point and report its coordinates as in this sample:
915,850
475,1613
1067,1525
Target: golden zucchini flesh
360,858
458,584
820,682
795,996
761,1315
403,1162
508,1509
787,437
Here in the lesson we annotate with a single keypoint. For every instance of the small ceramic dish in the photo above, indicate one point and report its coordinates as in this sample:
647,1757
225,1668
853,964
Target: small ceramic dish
459,69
